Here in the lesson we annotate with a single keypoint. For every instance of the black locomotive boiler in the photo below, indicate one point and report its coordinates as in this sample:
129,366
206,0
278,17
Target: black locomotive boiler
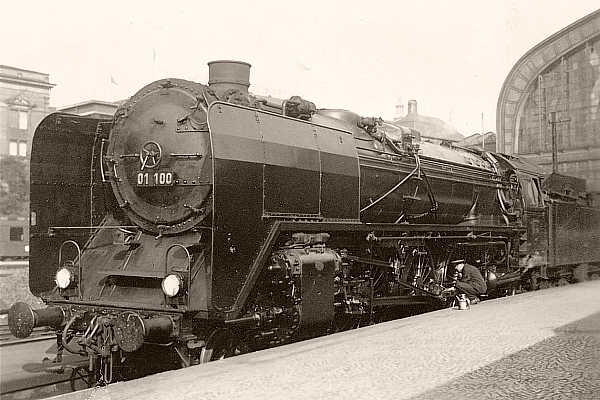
205,221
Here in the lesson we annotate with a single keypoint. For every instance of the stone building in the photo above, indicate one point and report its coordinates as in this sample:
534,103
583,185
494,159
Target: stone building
431,128
485,142
558,78
93,108
24,102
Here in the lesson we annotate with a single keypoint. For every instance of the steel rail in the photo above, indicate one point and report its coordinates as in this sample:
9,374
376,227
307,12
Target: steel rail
27,340
41,385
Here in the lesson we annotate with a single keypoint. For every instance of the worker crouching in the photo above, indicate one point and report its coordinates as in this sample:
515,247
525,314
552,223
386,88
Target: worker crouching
469,281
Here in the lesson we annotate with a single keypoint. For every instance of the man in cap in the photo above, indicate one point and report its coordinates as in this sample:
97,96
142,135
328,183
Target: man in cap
470,281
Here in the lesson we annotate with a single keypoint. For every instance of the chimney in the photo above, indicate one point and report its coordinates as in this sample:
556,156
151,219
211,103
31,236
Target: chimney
399,110
412,107
225,74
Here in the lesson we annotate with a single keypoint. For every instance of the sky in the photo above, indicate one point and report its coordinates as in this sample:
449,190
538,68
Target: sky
366,56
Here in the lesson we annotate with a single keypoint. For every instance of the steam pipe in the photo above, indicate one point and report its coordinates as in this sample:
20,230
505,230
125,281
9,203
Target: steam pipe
510,277
504,280
393,189
64,340
252,319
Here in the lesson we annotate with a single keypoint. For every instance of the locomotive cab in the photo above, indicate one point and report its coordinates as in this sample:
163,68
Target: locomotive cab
531,191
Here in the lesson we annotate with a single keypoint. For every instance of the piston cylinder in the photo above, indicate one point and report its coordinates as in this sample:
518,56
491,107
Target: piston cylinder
22,319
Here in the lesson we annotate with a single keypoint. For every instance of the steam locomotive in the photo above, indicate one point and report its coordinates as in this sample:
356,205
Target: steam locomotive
205,221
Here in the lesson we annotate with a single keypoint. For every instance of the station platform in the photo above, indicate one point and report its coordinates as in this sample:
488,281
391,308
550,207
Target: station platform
542,345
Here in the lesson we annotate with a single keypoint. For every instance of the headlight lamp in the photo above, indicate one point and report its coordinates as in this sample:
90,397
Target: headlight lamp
172,285
63,278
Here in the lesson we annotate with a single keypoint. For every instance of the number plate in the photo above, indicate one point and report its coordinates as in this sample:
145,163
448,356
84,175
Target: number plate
163,178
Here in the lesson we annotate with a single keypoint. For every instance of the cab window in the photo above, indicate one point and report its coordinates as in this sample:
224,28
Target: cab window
531,191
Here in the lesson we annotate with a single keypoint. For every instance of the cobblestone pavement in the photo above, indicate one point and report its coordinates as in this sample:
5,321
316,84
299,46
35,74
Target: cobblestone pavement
566,366
504,348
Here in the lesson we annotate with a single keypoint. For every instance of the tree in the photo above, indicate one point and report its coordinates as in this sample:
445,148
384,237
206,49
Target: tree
14,186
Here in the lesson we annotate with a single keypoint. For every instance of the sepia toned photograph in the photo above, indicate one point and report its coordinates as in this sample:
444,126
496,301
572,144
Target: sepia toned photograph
313,200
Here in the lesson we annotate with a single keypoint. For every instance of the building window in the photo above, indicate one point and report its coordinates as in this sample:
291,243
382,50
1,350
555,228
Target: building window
18,119
13,119
23,149
23,119
13,148
16,234
17,148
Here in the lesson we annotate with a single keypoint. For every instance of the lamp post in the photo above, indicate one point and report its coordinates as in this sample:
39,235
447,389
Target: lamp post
553,123
482,133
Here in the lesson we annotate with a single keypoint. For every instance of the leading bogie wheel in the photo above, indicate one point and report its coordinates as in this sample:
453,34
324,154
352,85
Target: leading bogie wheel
222,344
562,282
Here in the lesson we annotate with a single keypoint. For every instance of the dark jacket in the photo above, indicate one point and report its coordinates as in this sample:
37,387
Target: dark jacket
473,277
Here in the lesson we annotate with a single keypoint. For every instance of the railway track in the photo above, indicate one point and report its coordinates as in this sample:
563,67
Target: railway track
38,334
53,388
36,384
